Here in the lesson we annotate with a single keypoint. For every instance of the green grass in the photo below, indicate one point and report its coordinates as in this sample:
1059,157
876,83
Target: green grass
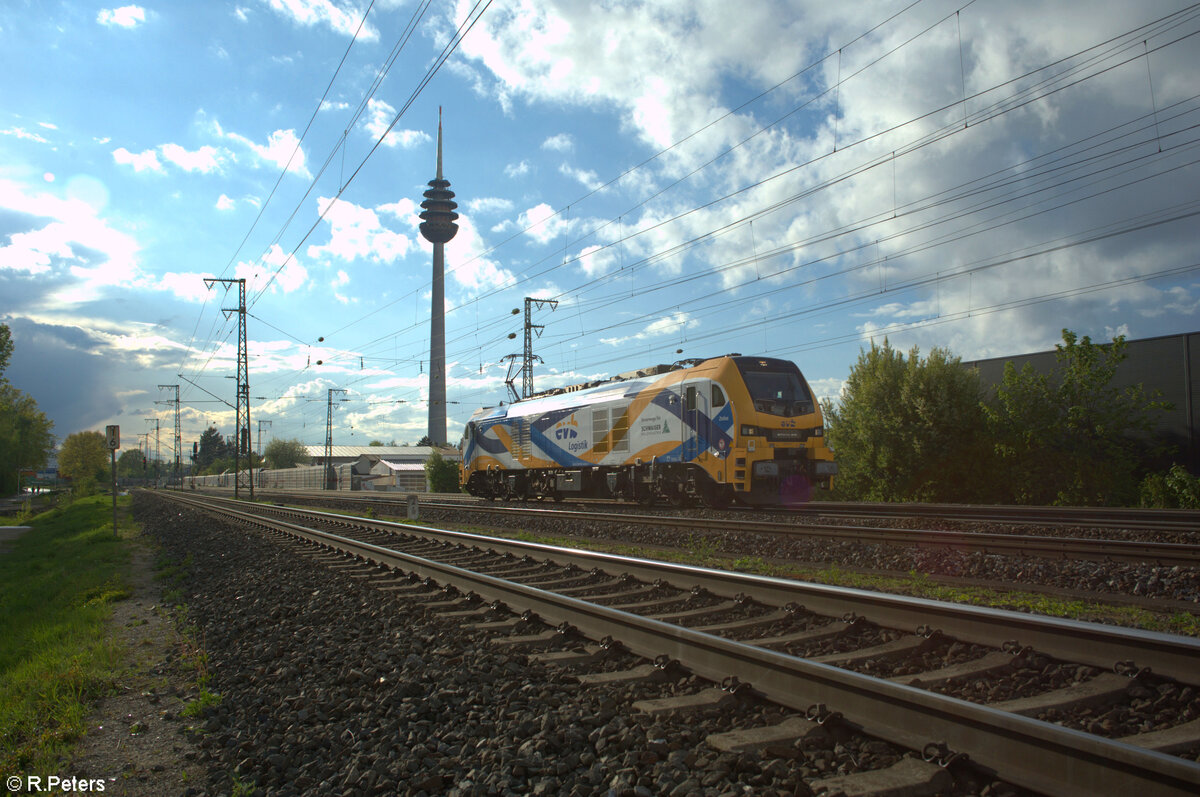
57,586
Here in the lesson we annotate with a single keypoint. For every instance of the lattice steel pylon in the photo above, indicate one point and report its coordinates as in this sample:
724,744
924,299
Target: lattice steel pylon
330,473
241,446
176,470
528,358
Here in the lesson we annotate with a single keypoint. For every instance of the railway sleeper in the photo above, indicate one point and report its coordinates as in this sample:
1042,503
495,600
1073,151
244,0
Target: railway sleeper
537,641
987,665
640,673
1104,688
713,697
1168,740
908,777
911,644
587,654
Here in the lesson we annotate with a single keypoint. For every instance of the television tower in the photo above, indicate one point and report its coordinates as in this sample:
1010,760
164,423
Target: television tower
438,227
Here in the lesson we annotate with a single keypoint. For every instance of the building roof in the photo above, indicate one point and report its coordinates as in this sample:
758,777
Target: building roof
387,452
401,467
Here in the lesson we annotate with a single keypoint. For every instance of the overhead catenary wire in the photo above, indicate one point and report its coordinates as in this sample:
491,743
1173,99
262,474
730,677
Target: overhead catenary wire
1052,181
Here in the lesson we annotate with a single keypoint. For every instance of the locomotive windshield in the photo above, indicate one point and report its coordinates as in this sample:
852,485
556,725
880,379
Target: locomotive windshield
776,387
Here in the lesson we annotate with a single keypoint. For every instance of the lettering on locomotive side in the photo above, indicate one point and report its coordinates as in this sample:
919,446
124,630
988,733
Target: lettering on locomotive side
655,425
578,445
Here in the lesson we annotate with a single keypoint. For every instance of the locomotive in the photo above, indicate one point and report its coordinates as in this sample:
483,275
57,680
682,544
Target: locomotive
709,431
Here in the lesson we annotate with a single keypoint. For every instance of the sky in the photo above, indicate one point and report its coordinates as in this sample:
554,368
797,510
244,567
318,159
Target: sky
685,178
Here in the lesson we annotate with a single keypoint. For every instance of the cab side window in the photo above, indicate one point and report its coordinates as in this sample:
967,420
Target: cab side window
718,397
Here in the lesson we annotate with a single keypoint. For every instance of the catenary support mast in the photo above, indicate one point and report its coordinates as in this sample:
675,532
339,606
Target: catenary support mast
241,447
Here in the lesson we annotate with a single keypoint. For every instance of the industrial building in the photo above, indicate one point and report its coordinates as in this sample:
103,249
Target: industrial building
1168,366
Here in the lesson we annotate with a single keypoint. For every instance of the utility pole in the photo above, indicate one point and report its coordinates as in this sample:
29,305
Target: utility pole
156,460
242,435
528,357
330,475
178,473
260,426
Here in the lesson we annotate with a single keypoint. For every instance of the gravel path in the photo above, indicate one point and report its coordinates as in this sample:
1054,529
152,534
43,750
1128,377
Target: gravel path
330,686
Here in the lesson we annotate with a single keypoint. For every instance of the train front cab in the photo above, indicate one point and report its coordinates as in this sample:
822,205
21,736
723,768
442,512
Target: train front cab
779,453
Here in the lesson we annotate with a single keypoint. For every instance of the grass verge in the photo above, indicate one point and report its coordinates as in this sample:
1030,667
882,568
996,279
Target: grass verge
57,584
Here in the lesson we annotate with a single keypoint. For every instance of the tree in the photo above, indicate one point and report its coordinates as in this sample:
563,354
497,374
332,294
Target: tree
283,453
131,464
425,442
908,429
26,437
6,348
212,447
442,473
84,458
1071,437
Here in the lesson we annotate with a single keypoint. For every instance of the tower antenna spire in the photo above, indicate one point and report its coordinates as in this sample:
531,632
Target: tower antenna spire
439,154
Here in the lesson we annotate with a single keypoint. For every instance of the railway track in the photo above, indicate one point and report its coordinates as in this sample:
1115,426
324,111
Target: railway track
1183,521
1129,518
1167,554
865,659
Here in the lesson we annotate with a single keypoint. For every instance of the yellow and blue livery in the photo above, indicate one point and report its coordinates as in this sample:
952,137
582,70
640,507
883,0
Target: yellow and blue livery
712,431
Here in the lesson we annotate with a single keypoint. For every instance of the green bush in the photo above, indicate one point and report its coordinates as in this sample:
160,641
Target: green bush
1175,489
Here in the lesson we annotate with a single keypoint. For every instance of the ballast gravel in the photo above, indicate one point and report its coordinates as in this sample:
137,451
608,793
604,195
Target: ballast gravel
1142,580
330,686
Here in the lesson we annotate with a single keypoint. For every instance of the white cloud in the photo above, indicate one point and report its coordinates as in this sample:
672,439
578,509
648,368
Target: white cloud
76,242
48,125
489,205
325,12
542,224
123,17
225,203
356,231
22,133
204,160
341,280
597,260
281,150
673,325
379,116
278,269
563,142
242,13
187,286
144,161
586,177
517,169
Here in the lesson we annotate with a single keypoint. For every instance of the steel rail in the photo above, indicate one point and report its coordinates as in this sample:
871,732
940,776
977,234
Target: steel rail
1167,554
1163,553
1128,518
1087,643
1118,517
1030,753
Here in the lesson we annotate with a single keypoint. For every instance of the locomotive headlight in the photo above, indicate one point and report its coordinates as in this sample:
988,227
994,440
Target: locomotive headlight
751,431
818,431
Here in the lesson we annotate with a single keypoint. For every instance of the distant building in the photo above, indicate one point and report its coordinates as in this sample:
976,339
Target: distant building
397,468
1169,365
